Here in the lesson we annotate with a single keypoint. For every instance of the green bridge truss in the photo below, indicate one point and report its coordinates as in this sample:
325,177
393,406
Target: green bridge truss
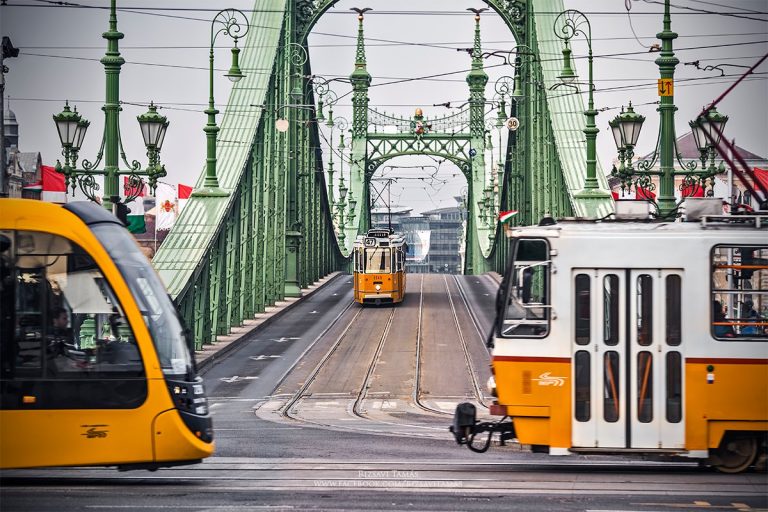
280,229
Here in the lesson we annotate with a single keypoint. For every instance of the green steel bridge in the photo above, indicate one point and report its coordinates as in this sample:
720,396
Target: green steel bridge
278,228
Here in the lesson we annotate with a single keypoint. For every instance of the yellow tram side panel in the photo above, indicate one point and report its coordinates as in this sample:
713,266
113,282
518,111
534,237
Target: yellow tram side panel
735,400
537,395
144,434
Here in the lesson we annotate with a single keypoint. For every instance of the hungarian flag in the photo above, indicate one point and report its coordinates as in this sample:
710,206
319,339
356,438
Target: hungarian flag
52,184
506,216
136,222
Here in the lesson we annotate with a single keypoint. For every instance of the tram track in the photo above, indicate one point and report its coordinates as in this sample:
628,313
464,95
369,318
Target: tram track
290,410
372,368
475,385
297,408
298,395
479,395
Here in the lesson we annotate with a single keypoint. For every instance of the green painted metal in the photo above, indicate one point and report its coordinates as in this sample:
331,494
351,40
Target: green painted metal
228,258
111,149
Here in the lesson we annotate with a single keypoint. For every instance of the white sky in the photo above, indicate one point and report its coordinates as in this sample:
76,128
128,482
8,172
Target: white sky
167,62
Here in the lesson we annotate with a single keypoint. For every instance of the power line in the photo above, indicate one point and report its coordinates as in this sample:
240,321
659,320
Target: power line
62,4
726,6
459,44
704,11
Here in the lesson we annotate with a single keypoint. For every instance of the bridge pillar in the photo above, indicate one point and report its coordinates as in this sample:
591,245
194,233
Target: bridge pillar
358,180
476,79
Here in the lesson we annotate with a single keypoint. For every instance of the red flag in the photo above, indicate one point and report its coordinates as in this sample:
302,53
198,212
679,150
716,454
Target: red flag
644,193
615,195
695,190
184,191
761,175
52,180
134,191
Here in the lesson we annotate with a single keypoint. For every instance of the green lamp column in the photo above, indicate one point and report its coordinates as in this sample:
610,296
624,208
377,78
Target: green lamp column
234,24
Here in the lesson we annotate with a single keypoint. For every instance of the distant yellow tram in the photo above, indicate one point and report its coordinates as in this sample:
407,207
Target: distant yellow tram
379,267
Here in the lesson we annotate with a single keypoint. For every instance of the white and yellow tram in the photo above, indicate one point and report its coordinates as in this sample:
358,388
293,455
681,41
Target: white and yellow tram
634,337
379,267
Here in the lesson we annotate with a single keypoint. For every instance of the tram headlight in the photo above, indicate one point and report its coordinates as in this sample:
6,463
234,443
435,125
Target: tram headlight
491,385
378,287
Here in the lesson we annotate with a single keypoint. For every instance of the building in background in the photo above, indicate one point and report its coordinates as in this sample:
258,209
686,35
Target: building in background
386,217
446,227
417,236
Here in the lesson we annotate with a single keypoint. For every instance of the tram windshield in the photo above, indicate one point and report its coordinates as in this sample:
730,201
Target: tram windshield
151,297
526,302
378,260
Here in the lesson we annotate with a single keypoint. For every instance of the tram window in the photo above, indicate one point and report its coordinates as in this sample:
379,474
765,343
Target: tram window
71,346
611,386
582,310
674,388
673,310
378,260
644,387
739,292
644,310
611,310
582,409
526,305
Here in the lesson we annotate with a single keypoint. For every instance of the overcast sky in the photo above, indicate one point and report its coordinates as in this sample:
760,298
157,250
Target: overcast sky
166,61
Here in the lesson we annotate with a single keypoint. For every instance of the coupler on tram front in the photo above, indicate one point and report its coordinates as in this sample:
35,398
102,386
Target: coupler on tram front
379,267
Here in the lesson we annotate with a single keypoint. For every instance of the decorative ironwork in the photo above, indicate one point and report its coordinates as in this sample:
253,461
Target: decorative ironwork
455,123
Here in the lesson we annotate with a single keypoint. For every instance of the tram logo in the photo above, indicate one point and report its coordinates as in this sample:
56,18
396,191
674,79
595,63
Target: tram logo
545,379
94,431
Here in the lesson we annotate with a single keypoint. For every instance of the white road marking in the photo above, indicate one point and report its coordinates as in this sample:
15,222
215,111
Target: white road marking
283,338
230,380
313,312
261,357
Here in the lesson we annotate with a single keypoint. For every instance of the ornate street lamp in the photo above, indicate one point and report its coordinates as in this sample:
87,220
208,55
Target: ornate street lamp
628,123
234,24
72,127
568,25
625,129
704,129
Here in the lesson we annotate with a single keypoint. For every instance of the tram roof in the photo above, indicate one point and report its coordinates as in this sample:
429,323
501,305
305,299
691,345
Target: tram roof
393,240
584,227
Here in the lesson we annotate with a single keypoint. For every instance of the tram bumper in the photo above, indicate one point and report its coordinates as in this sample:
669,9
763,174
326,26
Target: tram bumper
465,427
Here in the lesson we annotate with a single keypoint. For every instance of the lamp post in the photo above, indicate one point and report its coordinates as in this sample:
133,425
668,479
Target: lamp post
568,25
72,127
234,24
626,130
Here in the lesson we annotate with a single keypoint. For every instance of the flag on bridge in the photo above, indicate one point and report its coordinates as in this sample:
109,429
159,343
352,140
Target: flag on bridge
136,221
507,216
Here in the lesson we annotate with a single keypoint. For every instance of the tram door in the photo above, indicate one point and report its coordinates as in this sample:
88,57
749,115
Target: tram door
627,359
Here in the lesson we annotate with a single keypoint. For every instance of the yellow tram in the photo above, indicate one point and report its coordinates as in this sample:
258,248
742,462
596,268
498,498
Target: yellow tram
379,267
95,365
634,337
